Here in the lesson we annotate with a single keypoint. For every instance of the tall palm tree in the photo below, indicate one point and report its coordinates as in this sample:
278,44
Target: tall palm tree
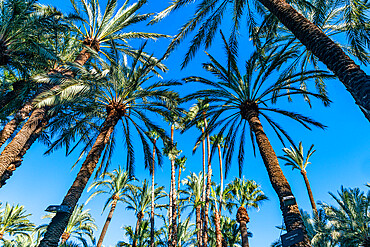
247,194
351,219
80,225
209,14
180,165
237,101
295,158
14,221
116,92
98,30
116,184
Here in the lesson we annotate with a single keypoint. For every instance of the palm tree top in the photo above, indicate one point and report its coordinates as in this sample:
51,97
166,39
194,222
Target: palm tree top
295,157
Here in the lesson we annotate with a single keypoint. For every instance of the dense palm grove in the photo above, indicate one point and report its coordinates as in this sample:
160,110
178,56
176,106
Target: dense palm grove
86,81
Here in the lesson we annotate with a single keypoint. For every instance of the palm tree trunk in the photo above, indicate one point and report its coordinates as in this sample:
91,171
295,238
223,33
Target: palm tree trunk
178,195
199,226
313,204
221,178
174,197
242,218
139,216
208,189
203,199
65,237
107,222
60,220
152,202
349,73
171,198
291,214
218,227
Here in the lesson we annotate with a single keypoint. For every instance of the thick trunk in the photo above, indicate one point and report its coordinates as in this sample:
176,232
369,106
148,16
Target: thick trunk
18,160
221,179
218,227
208,190
242,218
152,202
291,214
198,225
139,216
11,126
107,222
60,220
12,150
313,204
354,79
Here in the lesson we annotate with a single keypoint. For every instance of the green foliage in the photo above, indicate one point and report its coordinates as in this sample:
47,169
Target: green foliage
295,158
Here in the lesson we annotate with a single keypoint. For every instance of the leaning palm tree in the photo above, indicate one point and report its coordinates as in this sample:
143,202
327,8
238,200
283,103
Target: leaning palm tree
237,101
295,158
97,32
14,221
209,14
351,219
98,100
246,194
80,225
116,184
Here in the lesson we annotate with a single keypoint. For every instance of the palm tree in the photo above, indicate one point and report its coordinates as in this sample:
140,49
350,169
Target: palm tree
295,158
209,14
230,232
14,221
81,224
98,30
142,240
247,194
237,100
139,199
180,165
116,92
116,185
351,219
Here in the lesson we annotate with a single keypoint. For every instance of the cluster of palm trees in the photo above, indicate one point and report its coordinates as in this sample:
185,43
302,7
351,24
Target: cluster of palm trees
73,80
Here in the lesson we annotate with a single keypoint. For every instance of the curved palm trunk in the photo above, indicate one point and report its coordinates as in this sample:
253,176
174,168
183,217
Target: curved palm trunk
313,204
208,190
242,218
221,178
139,216
60,220
349,73
291,214
198,225
107,222
152,202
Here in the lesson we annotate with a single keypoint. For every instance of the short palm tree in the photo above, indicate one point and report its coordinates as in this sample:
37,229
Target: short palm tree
237,101
116,184
296,159
245,194
100,99
80,225
14,221
143,239
351,219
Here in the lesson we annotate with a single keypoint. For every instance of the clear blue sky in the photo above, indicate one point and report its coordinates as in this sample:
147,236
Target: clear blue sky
342,156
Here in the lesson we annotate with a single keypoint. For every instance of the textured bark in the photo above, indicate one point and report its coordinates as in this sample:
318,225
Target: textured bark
11,126
291,214
65,237
221,178
12,150
198,225
208,190
152,202
60,220
106,224
313,204
242,218
218,227
174,198
349,73
139,216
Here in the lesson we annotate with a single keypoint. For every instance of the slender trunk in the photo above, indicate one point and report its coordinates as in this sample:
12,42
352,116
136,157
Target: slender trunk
152,202
349,73
208,189
170,219
19,158
174,197
313,204
60,220
242,218
178,196
218,227
65,237
107,222
221,179
11,126
203,199
199,225
291,214
139,216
